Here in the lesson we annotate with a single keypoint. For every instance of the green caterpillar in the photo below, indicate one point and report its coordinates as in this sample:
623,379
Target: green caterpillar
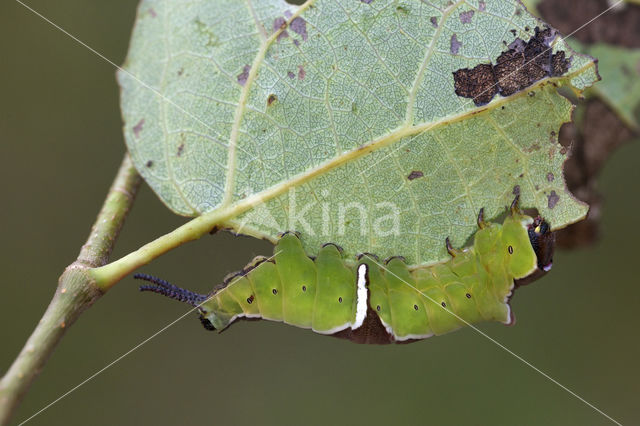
368,302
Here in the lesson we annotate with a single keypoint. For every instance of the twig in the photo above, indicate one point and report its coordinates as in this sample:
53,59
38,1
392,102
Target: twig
76,291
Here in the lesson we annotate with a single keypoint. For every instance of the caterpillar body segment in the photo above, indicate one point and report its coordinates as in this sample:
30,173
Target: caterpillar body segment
367,301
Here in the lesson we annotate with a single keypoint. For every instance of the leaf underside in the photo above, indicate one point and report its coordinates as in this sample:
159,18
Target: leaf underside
340,119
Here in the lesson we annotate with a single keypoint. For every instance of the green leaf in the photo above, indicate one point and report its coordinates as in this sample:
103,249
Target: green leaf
620,88
340,119
619,68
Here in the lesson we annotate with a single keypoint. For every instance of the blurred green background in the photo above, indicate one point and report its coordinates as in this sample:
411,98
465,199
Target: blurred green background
61,144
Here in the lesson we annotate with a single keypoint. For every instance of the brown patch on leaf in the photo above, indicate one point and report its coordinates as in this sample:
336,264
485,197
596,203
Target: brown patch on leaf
291,74
149,163
550,177
138,128
455,44
482,6
280,24
299,26
434,21
552,199
516,190
271,99
478,83
244,75
525,63
465,17
180,149
301,72
516,69
559,63
415,175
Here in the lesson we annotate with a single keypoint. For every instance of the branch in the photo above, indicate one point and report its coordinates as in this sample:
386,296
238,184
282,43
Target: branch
77,290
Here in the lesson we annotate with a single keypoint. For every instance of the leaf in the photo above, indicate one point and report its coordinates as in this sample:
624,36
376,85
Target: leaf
598,130
532,6
340,119
618,66
620,89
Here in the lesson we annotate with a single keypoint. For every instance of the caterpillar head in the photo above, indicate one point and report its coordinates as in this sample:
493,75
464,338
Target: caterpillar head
543,242
529,243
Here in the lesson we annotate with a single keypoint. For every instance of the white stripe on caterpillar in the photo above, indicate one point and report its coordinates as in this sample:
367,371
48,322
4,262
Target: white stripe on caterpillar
361,297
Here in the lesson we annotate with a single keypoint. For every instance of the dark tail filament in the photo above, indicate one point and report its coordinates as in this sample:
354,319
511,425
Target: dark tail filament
170,290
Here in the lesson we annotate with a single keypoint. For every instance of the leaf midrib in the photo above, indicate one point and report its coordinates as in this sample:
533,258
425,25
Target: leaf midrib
226,213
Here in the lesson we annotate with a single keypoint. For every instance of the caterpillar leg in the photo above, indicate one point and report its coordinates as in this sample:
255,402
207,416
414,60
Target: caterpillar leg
515,205
452,252
481,222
